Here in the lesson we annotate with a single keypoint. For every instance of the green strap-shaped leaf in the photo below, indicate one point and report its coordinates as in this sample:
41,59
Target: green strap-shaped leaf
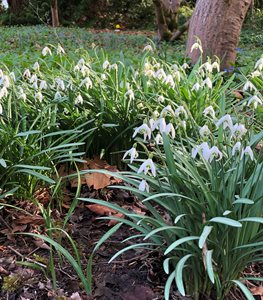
226,221
243,201
179,274
209,265
252,219
168,285
179,242
244,289
204,235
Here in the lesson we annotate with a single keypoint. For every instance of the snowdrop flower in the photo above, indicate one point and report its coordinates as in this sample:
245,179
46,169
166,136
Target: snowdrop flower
196,46
208,83
255,74
175,67
106,64
39,96
87,82
169,80
148,48
238,130
144,186
43,85
196,87
5,81
204,131
160,74
236,147
149,73
209,111
36,66
57,96
76,69
34,85
12,76
132,153
1,73
113,67
213,152
226,121
247,151
207,66
161,99
170,129
3,92
159,124
143,129
103,76
27,73
158,139
182,123
84,70
60,49
166,110
177,75
129,94
60,84
185,66
180,111
215,65
249,86
46,51
147,66
81,62
259,64
1,109
33,78
204,147
255,101
79,100
147,166
22,96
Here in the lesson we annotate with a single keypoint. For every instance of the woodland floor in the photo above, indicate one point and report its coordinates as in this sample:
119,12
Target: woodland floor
135,275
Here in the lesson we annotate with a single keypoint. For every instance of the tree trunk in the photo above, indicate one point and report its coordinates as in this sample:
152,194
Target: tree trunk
54,13
217,24
15,6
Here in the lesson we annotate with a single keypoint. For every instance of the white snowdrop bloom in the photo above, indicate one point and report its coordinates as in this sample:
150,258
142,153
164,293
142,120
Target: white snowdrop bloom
158,139
1,73
35,85
33,78
157,66
43,85
254,101
169,81
147,166
259,64
180,111
256,73
214,152
196,46
60,84
160,74
22,96
129,94
87,82
199,148
148,48
208,83
143,129
209,111
113,67
249,86
76,69
144,186
247,151
207,66
161,99
166,110
226,121
81,62
27,73
103,76
57,96
160,124
46,51
39,96
215,65
175,67
185,66
238,130
132,153
182,123
152,124
3,92
149,73
12,76
147,66
79,100
169,129
204,131
5,81
236,147
196,87
106,64
1,109
84,70
36,66
60,49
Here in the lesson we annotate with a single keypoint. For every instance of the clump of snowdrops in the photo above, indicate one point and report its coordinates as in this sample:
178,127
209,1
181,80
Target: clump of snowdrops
206,175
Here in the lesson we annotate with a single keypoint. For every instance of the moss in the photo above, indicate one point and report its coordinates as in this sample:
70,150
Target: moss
12,282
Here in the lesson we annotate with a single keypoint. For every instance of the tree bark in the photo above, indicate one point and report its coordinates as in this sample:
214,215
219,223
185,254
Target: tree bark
217,24
15,6
54,13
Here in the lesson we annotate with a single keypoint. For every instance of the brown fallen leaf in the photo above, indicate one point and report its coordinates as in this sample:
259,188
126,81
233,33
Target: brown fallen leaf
257,291
101,210
29,219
